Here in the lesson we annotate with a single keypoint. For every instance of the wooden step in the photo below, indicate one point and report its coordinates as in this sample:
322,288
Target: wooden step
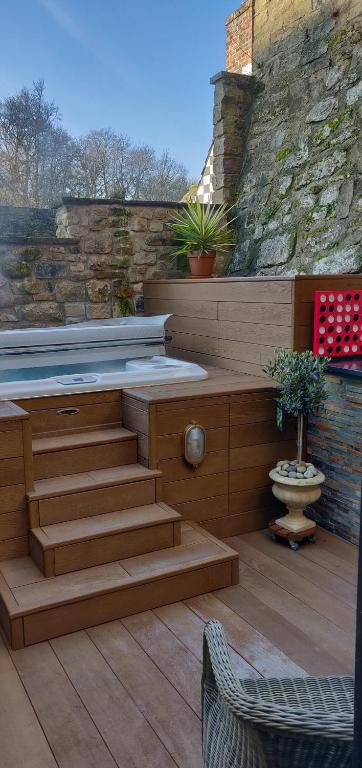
83,452
70,497
71,546
34,608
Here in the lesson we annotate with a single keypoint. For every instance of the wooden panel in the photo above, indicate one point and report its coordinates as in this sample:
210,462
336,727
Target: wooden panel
252,410
10,548
176,421
13,525
99,609
269,290
178,468
11,471
275,314
12,499
85,554
258,333
262,432
50,420
85,503
11,442
252,477
65,401
251,498
134,418
183,308
93,457
243,522
170,446
258,455
204,509
194,488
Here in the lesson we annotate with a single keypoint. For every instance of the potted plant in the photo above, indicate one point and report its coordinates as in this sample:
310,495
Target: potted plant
201,230
301,391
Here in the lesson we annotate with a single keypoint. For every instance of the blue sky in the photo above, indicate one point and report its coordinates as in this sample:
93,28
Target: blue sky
141,67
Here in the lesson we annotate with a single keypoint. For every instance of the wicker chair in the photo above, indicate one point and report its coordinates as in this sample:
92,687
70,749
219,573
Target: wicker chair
272,723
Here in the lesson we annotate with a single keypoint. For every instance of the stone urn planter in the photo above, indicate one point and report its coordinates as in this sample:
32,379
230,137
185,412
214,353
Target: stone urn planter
201,264
296,494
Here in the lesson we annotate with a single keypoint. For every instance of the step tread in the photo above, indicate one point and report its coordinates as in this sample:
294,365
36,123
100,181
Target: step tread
81,439
103,525
33,591
95,478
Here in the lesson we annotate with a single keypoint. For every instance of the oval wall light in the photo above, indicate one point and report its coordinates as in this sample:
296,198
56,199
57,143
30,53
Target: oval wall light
194,444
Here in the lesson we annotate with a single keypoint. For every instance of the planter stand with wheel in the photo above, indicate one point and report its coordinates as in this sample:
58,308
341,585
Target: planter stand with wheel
296,494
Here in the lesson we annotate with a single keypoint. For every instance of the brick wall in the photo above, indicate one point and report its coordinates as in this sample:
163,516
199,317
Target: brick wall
239,38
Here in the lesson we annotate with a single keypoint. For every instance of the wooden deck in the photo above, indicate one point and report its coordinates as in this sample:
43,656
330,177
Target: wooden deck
127,693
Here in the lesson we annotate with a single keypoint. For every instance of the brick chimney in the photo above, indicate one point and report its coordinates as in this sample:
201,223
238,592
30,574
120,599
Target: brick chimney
239,39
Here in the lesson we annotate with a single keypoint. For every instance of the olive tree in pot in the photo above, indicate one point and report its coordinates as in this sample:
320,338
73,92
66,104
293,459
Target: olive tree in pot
200,231
301,391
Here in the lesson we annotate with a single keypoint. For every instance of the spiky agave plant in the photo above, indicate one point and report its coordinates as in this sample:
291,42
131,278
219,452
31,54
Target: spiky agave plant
199,228
301,385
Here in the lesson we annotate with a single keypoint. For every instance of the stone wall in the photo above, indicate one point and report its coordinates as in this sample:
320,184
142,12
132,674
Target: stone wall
299,194
334,445
239,38
16,221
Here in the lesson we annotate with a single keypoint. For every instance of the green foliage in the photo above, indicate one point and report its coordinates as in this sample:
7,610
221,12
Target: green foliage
202,228
283,153
269,212
301,380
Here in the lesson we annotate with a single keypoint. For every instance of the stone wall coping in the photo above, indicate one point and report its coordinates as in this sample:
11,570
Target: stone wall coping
19,240
252,278
235,14
68,201
247,81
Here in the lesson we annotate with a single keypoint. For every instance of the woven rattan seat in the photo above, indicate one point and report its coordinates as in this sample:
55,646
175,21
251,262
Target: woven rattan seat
275,723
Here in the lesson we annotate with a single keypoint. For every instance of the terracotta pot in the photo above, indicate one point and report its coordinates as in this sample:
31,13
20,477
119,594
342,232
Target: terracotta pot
296,495
201,264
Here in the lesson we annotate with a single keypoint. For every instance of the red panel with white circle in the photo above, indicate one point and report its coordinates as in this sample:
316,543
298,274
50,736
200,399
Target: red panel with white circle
337,323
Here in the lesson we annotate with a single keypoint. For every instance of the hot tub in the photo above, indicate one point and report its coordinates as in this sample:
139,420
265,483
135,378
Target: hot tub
95,355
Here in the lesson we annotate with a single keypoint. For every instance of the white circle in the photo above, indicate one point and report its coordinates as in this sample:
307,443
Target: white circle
330,339
321,351
355,307
331,297
339,308
322,329
346,348
331,318
348,307
347,318
322,298
340,297
339,318
355,327
339,329
354,347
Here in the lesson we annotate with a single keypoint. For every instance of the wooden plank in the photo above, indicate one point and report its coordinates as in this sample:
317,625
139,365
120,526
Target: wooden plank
135,418
117,497
241,522
165,649
253,646
261,410
28,455
314,597
88,416
209,417
21,736
259,455
56,702
12,499
178,468
204,509
124,729
233,289
12,471
11,443
251,498
194,325
170,446
181,308
13,525
189,628
306,569
152,693
197,402
241,312
64,401
194,488
255,333
336,565
262,432
84,459
10,411
17,547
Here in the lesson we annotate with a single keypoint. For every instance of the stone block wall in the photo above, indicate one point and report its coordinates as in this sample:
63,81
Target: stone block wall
16,221
239,38
299,188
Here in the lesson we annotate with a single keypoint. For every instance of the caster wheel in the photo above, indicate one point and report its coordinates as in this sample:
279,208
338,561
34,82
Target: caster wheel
294,545
311,539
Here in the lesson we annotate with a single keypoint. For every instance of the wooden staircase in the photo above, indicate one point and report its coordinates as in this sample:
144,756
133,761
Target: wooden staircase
102,544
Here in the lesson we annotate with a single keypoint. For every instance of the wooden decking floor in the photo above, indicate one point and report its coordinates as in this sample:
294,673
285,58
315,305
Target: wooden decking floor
127,693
